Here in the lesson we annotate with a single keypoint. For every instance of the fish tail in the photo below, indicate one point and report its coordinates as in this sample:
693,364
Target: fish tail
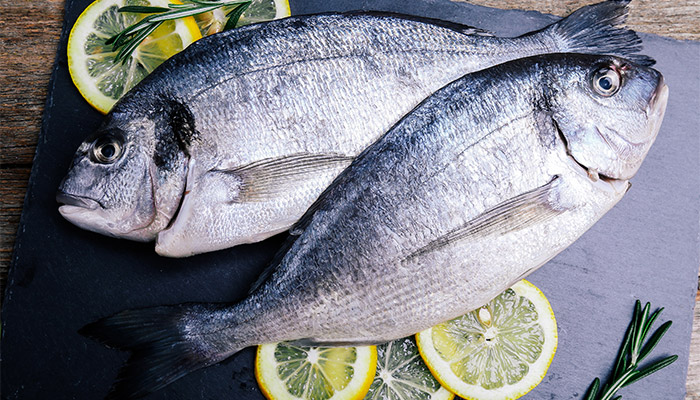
166,342
595,29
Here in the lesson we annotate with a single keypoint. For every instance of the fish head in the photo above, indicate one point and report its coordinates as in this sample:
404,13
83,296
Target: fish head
608,111
114,186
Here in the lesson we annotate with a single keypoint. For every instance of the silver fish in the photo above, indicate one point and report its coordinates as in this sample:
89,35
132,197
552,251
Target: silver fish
481,184
231,140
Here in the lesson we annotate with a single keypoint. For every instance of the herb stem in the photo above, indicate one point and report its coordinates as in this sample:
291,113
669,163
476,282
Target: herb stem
126,41
632,352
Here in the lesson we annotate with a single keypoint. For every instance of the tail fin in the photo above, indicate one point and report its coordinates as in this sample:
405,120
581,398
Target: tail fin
167,343
594,29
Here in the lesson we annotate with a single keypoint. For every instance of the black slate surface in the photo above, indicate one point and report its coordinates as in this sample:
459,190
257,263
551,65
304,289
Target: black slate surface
63,277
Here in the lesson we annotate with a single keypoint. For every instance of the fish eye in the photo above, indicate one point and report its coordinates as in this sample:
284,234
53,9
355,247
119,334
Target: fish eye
606,81
106,150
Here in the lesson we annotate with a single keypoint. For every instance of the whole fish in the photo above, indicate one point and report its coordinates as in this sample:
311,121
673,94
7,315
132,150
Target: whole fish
231,140
482,183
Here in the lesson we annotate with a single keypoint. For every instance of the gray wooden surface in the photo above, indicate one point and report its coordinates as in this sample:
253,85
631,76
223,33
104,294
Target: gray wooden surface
29,33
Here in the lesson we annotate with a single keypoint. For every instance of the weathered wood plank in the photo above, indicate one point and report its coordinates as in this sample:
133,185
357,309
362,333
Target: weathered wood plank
29,33
13,184
672,18
693,382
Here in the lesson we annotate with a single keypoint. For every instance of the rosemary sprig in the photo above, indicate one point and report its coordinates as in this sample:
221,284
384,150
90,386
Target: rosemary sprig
631,354
129,39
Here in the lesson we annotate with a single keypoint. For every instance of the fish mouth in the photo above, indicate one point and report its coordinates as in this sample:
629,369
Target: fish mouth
83,212
73,202
656,108
658,98
618,185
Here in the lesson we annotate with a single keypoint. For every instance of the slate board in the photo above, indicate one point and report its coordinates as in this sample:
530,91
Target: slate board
63,277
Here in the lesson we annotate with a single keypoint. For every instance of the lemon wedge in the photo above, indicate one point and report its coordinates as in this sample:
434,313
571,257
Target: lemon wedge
99,79
498,352
285,371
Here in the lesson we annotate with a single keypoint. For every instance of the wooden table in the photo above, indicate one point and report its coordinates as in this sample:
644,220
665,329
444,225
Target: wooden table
29,34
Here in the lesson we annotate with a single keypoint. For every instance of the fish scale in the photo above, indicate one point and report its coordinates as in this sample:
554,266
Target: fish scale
307,87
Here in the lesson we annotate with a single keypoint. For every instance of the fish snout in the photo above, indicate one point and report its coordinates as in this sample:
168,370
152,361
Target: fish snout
658,99
76,201
656,108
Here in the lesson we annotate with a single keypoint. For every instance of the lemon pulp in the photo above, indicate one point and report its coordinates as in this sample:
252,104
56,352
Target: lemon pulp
286,371
402,375
258,11
500,351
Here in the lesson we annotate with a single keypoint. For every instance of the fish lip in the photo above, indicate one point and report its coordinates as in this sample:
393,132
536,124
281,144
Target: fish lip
72,200
660,87
656,105
592,174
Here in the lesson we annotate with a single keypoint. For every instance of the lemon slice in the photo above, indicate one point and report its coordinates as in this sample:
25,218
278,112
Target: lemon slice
500,351
258,11
285,371
402,375
99,79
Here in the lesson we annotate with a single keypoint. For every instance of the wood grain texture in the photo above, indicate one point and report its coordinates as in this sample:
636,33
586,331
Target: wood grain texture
693,382
29,33
673,18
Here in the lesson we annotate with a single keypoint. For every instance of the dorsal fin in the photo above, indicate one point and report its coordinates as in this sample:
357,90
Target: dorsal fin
455,26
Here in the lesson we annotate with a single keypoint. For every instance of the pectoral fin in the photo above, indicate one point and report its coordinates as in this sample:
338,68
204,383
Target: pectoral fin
263,180
514,214
225,207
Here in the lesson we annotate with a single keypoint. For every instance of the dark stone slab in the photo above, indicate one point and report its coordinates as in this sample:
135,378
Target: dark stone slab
63,277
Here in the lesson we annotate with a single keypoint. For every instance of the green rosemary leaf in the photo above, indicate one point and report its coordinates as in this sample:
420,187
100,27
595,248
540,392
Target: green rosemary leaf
651,321
638,324
176,14
643,373
653,340
143,9
118,37
621,363
641,329
632,352
234,15
185,6
127,34
240,8
214,2
593,390
113,38
128,48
